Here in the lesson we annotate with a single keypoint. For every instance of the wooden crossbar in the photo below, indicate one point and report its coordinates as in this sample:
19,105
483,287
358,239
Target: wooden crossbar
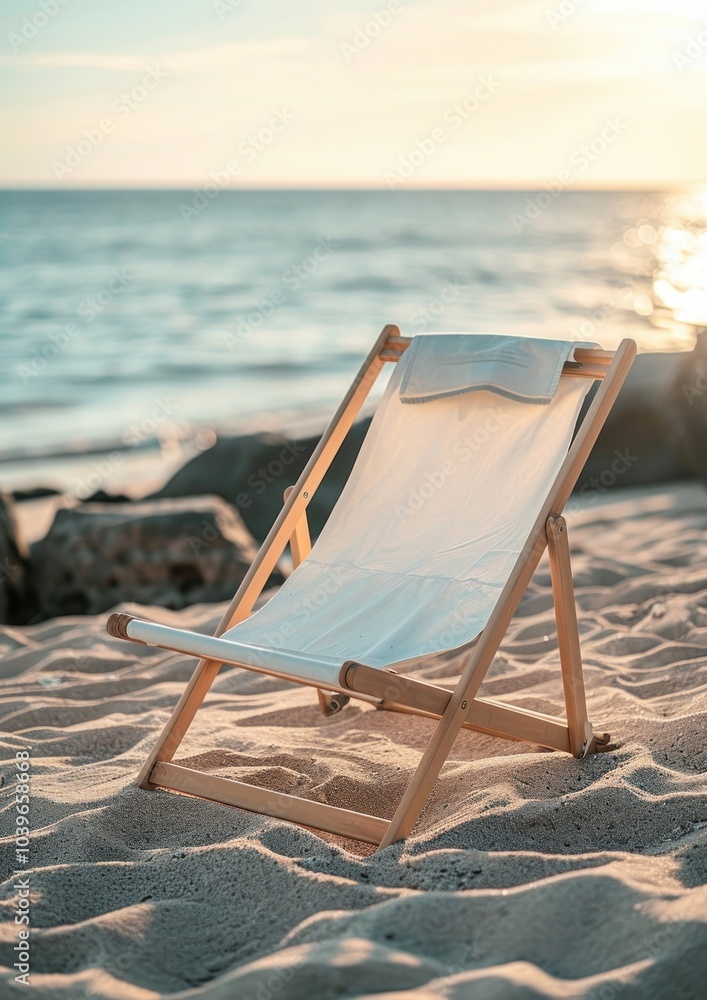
588,362
593,354
306,812
495,718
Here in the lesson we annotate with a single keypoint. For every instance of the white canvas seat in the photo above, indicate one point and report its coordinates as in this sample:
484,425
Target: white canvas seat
444,509
417,550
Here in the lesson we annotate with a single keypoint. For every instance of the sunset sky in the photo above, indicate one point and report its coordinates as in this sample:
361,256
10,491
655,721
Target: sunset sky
475,94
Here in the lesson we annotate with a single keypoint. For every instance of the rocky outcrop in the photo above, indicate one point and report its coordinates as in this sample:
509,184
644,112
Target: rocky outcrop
167,552
16,601
636,446
253,471
686,406
181,547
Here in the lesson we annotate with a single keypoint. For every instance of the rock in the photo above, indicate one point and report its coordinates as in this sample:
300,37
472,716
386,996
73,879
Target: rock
167,552
100,496
16,603
686,402
35,493
636,446
252,473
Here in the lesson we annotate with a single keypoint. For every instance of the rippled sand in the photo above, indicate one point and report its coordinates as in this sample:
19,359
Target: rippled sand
530,874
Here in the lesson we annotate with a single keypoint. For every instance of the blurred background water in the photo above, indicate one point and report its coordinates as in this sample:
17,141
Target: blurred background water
148,320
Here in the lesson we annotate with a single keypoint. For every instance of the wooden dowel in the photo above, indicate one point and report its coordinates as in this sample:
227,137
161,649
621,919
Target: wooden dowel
595,355
587,362
407,694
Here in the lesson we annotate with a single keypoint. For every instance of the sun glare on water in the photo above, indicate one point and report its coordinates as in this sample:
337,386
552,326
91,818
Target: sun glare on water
680,248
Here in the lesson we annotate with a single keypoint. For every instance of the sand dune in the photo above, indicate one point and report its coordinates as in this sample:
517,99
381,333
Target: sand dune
530,874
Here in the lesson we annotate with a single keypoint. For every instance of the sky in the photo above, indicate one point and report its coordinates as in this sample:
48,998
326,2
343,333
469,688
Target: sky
486,93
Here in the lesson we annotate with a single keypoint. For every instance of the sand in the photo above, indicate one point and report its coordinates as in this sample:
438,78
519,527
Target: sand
530,874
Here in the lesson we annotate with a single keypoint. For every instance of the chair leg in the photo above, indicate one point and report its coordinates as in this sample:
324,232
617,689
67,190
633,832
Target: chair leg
580,729
447,730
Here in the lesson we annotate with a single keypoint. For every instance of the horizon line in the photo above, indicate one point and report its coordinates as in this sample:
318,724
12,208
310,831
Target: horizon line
531,186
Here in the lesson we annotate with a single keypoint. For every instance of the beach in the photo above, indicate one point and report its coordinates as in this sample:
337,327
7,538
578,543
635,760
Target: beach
143,459
529,874
367,347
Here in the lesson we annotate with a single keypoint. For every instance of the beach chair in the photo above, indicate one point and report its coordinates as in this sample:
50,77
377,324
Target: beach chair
458,489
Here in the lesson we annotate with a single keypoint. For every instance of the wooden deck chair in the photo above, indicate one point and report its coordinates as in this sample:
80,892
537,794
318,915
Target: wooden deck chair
430,548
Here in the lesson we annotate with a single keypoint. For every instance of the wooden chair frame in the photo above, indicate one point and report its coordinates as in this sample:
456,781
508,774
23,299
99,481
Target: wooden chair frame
455,708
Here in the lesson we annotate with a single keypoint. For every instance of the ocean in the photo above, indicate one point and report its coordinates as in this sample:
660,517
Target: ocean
150,320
